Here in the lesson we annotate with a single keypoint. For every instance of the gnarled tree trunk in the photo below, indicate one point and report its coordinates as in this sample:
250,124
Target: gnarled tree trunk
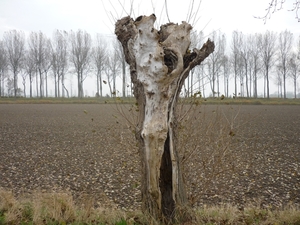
159,63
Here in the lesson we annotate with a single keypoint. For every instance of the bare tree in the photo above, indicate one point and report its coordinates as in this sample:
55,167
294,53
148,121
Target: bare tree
255,59
294,66
160,61
46,65
284,49
196,41
109,76
236,42
199,71
59,60
81,52
226,73
39,48
214,61
3,67
24,75
99,56
30,68
14,42
278,81
121,58
245,56
10,87
200,76
112,68
267,49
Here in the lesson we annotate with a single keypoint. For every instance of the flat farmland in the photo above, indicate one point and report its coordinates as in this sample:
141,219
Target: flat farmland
237,154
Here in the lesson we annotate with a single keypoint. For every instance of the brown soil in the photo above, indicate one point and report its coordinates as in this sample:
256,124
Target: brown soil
86,150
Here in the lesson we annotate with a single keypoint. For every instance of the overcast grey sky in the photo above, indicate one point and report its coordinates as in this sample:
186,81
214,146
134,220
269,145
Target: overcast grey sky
98,16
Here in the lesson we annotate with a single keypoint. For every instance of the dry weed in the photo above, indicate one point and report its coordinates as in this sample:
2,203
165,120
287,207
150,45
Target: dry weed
7,200
223,214
44,208
60,208
254,214
53,206
208,147
14,210
206,141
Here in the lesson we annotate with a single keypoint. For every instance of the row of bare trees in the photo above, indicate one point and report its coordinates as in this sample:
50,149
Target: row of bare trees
247,59
240,62
39,58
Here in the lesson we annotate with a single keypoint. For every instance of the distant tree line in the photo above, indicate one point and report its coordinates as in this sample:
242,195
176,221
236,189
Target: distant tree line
243,61
39,58
248,59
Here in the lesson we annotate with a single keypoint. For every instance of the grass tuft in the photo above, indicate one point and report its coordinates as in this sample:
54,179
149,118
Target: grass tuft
225,214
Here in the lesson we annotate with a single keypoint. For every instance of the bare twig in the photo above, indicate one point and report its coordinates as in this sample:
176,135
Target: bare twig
153,7
123,8
167,11
131,7
277,5
116,13
161,12
190,11
196,13
296,6
193,15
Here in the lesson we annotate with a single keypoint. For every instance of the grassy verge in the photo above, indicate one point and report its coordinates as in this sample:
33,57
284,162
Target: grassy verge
61,209
58,209
253,101
131,100
103,100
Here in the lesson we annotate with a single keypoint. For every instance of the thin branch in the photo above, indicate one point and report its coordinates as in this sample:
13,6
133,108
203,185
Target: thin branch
161,12
208,35
138,12
196,13
207,25
131,7
153,8
116,13
296,7
109,14
190,10
123,8
277,5
167,11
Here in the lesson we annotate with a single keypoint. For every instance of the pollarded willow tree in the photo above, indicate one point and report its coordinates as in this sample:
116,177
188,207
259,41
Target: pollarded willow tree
159,63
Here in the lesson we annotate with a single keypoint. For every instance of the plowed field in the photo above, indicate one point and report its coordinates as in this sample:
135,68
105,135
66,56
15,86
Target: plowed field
86,149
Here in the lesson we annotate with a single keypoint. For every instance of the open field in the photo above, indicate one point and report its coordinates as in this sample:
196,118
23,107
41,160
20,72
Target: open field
103,100
85,150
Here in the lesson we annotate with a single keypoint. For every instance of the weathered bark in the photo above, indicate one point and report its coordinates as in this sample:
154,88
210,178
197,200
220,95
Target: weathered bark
159,63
